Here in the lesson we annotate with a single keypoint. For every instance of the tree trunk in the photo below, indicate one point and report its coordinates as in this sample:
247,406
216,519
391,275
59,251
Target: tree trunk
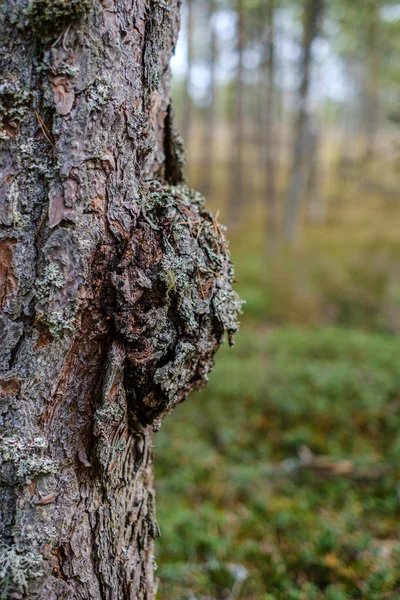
268,130
237,147
371,79
210,123
312,15
114,292
316,205
187,115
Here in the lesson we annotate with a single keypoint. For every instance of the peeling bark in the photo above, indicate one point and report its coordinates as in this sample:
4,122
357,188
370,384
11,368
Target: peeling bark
114,291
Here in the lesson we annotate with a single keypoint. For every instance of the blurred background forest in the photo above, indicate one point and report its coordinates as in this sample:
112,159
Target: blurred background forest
281,480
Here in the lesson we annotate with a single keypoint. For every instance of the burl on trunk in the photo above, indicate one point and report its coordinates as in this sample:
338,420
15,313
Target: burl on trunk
115,291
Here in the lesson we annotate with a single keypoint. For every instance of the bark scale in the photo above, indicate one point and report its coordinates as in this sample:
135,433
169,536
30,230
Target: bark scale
112,303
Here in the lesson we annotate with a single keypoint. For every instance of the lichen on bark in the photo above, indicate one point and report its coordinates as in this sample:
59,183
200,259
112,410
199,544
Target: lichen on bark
174,299
47,18
115,291
17,568
24,460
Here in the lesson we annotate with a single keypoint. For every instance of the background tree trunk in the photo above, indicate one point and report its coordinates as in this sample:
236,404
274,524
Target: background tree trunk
371,79
210,121
188,109
312,15
316,202
237,147
98,340
268,129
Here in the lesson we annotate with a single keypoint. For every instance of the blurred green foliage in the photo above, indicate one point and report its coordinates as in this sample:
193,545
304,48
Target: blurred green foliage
280,481
233,503
314,376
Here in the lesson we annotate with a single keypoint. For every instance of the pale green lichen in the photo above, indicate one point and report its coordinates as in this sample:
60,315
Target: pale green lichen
58,320
174,271
169,279
67,69
17,568
166,376
17,218
51,281
189,260
26,457
106,418
174,299
98,94
47,18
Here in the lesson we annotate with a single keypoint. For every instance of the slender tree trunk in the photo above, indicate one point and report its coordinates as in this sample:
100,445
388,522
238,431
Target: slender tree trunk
314,189
371,79
237,147
187,116
210,123
316,205
108,316
280,134
349,159
268,128
312,16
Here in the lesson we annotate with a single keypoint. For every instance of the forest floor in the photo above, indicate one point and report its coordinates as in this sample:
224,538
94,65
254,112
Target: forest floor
281,480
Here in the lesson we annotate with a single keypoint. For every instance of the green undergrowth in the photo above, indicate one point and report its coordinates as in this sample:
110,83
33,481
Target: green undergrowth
328,280
281,480
242,512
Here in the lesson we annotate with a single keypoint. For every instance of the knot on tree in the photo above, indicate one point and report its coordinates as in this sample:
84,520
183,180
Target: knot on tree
174,300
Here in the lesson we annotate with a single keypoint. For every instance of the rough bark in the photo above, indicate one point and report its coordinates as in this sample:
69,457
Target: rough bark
114,291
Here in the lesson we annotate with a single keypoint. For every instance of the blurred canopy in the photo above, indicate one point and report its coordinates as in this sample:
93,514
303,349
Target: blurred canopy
283,101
